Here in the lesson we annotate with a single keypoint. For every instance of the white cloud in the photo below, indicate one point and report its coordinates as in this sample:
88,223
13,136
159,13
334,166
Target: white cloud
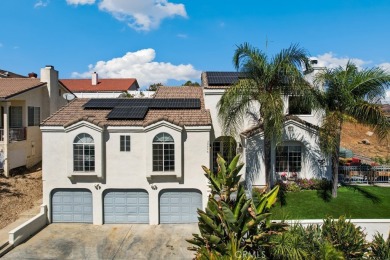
385,66
330,61
41,3
142,15
182,35
140,65
80,2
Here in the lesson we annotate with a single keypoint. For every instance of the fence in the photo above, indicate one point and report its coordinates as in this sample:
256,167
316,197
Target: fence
364,174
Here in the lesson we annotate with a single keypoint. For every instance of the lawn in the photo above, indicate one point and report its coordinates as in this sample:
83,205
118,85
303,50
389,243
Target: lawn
369,202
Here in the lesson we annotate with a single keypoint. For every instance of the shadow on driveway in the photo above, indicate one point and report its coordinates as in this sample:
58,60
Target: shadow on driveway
86,241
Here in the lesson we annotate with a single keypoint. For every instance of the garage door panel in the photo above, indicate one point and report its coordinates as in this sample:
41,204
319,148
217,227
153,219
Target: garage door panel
72,206
180,206
128,206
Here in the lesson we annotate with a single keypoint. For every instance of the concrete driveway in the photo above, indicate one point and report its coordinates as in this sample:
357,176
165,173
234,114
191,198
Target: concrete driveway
86,241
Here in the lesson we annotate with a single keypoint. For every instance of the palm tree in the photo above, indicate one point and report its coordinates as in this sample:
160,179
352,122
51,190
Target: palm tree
350,93
266,81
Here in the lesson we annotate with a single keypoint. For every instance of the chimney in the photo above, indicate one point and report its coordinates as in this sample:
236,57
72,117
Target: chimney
50,76
32,75
94,79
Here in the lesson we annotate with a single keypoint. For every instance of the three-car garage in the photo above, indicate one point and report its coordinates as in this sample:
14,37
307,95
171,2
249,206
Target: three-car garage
126,206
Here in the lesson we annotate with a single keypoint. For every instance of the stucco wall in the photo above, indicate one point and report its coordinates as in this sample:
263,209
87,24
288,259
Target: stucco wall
126,170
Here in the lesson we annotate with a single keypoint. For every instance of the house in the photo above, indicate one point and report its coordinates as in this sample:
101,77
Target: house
128,160
297,156
100,88
25,102
9,74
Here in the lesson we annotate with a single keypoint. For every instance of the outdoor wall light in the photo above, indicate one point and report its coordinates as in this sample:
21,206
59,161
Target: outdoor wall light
290,129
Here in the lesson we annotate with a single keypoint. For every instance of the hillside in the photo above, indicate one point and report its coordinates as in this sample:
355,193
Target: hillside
352,137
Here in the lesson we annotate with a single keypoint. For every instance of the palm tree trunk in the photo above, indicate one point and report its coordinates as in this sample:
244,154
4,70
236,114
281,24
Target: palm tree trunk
335,160
267,162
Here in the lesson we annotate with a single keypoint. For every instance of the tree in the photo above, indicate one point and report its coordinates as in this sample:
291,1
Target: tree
350,93
232,224
154,86
190,83
266,82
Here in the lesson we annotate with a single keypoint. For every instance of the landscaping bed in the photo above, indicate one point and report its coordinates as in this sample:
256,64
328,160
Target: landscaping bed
356,202
19,193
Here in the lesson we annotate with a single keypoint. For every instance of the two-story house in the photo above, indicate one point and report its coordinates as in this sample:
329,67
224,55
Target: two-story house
128,160
298,155
25,102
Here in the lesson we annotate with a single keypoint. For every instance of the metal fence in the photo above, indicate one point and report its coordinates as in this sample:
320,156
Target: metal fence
15,134
364,174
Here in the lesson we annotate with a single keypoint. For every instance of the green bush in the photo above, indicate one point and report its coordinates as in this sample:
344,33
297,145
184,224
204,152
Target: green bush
345,237
380,248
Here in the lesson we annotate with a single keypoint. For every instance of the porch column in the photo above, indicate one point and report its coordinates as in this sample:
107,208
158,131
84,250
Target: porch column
6,106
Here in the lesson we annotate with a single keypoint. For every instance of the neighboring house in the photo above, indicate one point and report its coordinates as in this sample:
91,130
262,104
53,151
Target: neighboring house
25,102
299,154
100,88
128,160
9,74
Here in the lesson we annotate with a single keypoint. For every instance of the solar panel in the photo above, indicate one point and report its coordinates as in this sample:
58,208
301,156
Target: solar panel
224,78
128,113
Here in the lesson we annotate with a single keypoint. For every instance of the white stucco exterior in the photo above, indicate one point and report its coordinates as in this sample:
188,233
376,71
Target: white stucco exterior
48,97
125,170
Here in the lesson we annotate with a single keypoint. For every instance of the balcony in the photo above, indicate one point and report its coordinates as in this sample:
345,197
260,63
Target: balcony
15,134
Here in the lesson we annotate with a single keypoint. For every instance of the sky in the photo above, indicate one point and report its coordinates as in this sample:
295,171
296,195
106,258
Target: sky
172,41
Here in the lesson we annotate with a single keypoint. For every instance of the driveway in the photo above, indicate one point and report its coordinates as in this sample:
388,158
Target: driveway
86,241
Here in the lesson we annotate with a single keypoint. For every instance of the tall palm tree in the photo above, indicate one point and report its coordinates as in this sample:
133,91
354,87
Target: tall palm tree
266,82
350,93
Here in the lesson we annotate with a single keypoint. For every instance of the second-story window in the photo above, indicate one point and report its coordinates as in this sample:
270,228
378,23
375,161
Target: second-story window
83,153
34,116
15,117
125,143
296,106
163,153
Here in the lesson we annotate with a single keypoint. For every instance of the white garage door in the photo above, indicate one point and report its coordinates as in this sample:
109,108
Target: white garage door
72,206
126,206
180,206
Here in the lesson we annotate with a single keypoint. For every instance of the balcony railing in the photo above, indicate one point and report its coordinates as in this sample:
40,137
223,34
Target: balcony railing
15,134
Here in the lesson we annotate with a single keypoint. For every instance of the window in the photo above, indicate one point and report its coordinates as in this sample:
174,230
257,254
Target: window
288,158
15,117
34,116
163,153
226,146
83,153
125,143
296,106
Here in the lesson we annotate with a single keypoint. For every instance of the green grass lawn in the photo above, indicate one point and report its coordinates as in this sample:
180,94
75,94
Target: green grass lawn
371,202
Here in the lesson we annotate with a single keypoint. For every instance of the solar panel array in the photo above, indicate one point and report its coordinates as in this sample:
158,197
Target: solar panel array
137,108
223,78
128,113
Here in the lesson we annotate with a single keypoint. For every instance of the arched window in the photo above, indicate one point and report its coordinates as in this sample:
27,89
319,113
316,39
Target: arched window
163,153
226,146
83,153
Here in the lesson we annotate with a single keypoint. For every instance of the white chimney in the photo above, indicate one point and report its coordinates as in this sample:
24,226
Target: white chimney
50,76
94,79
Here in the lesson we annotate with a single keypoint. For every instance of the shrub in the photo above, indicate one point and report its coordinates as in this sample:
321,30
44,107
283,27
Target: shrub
293,187
380,247
345,237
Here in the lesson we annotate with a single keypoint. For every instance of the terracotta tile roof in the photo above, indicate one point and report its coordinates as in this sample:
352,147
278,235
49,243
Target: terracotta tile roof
260,128
74,112
10,87
104,85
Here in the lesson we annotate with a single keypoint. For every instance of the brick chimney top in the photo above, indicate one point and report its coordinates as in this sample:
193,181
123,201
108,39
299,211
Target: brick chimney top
32,75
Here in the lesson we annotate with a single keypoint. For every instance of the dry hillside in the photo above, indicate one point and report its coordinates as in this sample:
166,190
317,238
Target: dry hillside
352,137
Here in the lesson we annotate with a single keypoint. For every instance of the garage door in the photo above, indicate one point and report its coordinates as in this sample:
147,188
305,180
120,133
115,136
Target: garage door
72,206
180,206
126,206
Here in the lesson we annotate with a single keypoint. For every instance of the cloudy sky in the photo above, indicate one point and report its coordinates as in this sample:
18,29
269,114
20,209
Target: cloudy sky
171,41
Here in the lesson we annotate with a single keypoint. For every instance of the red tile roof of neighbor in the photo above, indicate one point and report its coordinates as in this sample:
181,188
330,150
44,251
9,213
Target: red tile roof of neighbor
104,85
10,87
74,112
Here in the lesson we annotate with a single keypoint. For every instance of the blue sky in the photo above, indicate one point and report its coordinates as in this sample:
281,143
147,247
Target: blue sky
171,41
